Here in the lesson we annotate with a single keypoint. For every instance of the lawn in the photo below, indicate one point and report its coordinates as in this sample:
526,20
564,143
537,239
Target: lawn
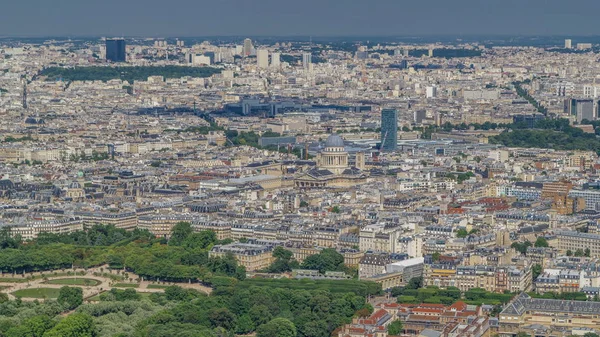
157,286
75,281
125,285
13,280
37,293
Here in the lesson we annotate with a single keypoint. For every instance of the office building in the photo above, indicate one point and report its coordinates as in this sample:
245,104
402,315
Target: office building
275,60
307,61
389,129
115,50
248,47
431,92
568,44
262,58
582,109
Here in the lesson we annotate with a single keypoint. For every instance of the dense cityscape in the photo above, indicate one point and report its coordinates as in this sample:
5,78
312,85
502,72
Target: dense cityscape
299,188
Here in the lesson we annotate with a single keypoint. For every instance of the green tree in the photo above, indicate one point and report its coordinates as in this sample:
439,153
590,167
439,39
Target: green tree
395,328
74,325
244,325
260,314
569,252
586,252
579,252
222,317
335,209
33,327
70,297
179,233
278,327
327,260
415,283
461,233
435,257
536,270
541,242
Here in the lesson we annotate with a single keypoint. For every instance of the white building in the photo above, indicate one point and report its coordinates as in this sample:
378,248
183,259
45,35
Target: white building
275,60
262,58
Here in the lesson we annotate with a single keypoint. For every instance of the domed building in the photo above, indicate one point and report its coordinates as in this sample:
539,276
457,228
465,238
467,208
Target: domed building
332,168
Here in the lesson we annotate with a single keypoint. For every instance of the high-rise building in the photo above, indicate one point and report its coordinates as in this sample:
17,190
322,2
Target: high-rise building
276,60
582,109
248,47
431,92
568,44
115,50
389,129
306,61
262,58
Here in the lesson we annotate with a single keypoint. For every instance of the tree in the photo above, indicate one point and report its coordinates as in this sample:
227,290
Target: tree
415,283
435,257
569,252
461,233
244,325
335,209
586,252
541,242
75,325
278,327
327,260
521,247
536,270
179,233
70,297
579,252
200,240
523,334
260,314
34,327
395,328
222,317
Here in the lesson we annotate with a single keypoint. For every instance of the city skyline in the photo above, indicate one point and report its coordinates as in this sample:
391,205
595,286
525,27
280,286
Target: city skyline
270,18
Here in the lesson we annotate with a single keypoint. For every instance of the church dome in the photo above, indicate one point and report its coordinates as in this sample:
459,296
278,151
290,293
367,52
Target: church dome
334,141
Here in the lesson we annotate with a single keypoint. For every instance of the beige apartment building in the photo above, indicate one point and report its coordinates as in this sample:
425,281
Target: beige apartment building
253,257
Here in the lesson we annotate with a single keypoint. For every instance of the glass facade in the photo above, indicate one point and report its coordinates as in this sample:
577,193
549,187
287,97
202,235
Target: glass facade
389,129
115,50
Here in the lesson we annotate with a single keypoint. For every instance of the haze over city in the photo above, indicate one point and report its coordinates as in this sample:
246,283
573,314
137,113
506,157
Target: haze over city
310,17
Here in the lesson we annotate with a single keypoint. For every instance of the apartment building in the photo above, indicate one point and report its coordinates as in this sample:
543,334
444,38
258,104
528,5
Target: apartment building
30,230
525,311
124,220
252,256
573,240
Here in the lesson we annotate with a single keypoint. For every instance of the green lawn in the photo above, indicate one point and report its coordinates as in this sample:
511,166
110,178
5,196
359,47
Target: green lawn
37,293
95,297
125,285
157,286
75,281
13,280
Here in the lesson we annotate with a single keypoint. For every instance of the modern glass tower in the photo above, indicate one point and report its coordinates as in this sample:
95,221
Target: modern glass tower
389,129
115,50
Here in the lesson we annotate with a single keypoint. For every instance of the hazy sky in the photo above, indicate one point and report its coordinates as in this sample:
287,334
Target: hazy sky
302,17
